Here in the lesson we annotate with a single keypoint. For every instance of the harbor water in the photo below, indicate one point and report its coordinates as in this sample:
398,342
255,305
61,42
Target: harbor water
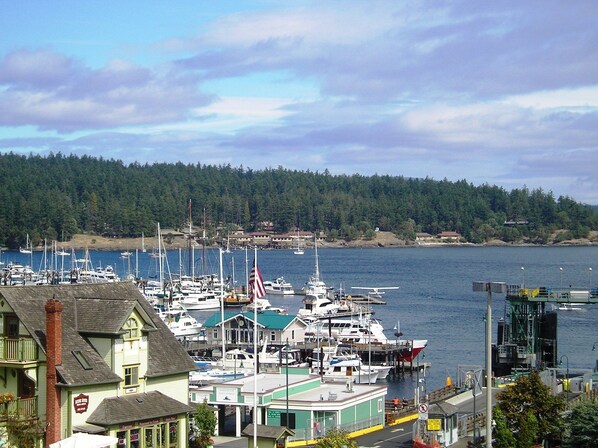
435,300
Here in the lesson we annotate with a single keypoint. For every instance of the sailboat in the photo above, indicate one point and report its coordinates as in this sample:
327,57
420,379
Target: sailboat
315,286
28,247
299,250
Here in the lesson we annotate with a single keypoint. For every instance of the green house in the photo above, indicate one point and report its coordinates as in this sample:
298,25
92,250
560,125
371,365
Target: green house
91,358
297,400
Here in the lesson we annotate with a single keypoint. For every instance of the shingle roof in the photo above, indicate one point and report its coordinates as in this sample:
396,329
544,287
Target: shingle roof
129,408
267,319
101,309
268,431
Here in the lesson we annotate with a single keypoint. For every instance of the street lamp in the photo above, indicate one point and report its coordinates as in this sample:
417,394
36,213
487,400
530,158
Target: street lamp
561,291
566,389
522,277
590,278
489,287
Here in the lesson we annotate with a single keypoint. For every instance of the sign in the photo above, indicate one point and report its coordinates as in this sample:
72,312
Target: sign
274,413
81,403
434,424
422,408
226,394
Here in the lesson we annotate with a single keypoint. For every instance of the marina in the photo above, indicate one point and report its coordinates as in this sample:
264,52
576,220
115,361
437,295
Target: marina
434,303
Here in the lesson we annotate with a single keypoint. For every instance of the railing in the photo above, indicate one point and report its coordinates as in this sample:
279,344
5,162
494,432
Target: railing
318,429
19,350
18,409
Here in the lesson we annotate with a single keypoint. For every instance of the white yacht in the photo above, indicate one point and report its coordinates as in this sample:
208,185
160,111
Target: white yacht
318,306
279,287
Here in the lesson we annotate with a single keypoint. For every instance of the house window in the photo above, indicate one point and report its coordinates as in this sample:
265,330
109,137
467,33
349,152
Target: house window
293,335
215,333
273,336
131,329
131,376
80,357
380,405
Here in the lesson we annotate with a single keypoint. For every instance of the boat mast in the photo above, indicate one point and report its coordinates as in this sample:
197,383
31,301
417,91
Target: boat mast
317,273
203,245
160,273
189,253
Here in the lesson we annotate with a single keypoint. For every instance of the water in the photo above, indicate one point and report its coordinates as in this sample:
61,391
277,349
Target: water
435,300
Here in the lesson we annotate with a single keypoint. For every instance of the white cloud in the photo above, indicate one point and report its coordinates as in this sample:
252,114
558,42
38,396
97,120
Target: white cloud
583,97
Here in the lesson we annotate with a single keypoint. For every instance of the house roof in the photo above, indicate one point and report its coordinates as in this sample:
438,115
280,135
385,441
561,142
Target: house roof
268,431
443,408
95,309
129,408
268,319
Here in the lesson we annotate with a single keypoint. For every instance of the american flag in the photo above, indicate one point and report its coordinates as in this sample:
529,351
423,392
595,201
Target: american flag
256,284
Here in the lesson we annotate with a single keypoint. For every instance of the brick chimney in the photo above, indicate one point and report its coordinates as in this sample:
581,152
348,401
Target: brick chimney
53,358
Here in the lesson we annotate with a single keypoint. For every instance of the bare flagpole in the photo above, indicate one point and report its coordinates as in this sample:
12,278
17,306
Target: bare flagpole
255,353
222,310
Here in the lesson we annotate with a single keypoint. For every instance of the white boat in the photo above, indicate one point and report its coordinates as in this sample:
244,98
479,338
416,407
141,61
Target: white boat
299,250
349,369
211,375
279,286
181,324
28,247
206,300
318,306
315,285
262,305
353,330
99,275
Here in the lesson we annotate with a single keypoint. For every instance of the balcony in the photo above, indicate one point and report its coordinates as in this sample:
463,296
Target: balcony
18,350
18,409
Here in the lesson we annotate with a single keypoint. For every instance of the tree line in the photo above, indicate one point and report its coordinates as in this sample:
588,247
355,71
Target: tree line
56,196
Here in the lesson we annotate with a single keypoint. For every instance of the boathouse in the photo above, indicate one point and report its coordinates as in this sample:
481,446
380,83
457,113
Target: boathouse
297,400
273,328
92,358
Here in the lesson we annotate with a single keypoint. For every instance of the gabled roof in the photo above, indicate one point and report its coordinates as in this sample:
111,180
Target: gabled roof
95,309
268,431
269,320
136,407
443,408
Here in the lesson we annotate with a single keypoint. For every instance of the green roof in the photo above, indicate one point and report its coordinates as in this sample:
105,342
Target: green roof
270,320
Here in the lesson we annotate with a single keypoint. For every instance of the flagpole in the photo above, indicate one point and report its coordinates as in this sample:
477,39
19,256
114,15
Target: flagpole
255,353
222,311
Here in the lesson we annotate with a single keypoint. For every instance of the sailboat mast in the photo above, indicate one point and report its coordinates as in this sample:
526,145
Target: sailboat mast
160,267
190,255
317,273
203,245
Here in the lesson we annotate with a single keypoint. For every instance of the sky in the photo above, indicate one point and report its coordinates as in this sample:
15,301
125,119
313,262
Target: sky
502,93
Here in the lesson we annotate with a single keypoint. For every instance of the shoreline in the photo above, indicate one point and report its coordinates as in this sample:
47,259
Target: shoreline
383,240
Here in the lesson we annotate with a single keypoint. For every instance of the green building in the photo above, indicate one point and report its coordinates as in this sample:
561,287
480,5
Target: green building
297,400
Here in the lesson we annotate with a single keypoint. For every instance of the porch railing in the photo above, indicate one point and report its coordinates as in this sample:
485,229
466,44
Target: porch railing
19,408
18,350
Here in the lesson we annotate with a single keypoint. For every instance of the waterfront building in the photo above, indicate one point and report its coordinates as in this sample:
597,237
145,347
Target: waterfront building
273,328
314,407
92,358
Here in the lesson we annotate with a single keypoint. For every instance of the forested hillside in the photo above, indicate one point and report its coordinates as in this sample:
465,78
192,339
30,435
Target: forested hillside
57,196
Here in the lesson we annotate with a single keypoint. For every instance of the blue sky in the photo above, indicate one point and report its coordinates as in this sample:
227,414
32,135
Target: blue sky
503,93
